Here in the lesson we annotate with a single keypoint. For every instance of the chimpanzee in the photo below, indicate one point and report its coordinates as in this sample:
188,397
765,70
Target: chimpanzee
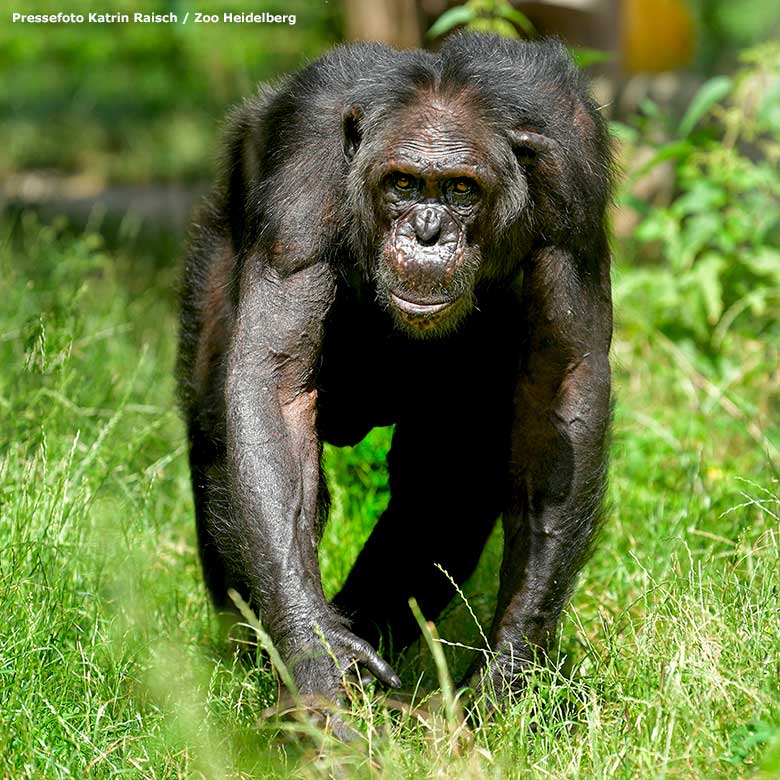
411,239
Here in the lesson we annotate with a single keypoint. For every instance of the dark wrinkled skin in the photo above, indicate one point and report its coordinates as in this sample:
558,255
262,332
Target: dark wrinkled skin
341,278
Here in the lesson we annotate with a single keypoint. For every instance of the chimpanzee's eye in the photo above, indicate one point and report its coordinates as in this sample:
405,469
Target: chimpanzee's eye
403,182
461,190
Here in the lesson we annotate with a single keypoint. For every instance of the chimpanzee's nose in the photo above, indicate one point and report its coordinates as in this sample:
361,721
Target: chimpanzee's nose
427,226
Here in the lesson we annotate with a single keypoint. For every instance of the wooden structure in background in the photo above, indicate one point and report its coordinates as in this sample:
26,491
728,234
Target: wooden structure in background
396,22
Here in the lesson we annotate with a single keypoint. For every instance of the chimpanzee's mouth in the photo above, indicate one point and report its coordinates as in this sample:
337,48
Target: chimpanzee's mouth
415,309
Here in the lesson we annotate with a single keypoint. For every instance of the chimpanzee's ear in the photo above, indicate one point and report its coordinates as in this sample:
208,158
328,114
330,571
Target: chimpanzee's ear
351,130
529,146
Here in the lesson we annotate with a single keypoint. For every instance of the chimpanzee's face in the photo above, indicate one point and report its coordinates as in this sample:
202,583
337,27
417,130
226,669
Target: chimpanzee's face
432,193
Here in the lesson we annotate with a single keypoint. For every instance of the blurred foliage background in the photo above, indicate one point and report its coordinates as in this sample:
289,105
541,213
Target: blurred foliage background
139,102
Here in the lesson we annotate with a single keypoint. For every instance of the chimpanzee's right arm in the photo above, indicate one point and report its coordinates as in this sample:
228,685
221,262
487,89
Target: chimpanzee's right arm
274,471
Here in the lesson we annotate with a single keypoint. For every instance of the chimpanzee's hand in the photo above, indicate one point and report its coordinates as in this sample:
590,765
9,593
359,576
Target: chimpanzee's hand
502,676
320,662
499,681
321,665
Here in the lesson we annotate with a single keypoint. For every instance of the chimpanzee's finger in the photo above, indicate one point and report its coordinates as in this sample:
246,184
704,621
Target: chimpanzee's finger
369,657
357,674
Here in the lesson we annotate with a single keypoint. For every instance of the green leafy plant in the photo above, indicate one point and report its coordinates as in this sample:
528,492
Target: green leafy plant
501,18
496,16
718,240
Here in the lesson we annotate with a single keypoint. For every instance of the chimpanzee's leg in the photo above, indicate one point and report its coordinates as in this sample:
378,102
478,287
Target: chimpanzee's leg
446,484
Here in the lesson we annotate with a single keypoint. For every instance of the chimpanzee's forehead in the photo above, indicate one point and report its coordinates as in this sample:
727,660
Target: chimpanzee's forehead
435,131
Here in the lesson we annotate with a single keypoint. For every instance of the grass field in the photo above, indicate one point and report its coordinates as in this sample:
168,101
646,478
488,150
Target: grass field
110,663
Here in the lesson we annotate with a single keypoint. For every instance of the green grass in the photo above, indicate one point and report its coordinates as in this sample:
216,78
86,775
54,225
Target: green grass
110,664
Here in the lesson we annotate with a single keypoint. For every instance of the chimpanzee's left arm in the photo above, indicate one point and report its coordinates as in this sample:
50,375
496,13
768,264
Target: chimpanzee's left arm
558,458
